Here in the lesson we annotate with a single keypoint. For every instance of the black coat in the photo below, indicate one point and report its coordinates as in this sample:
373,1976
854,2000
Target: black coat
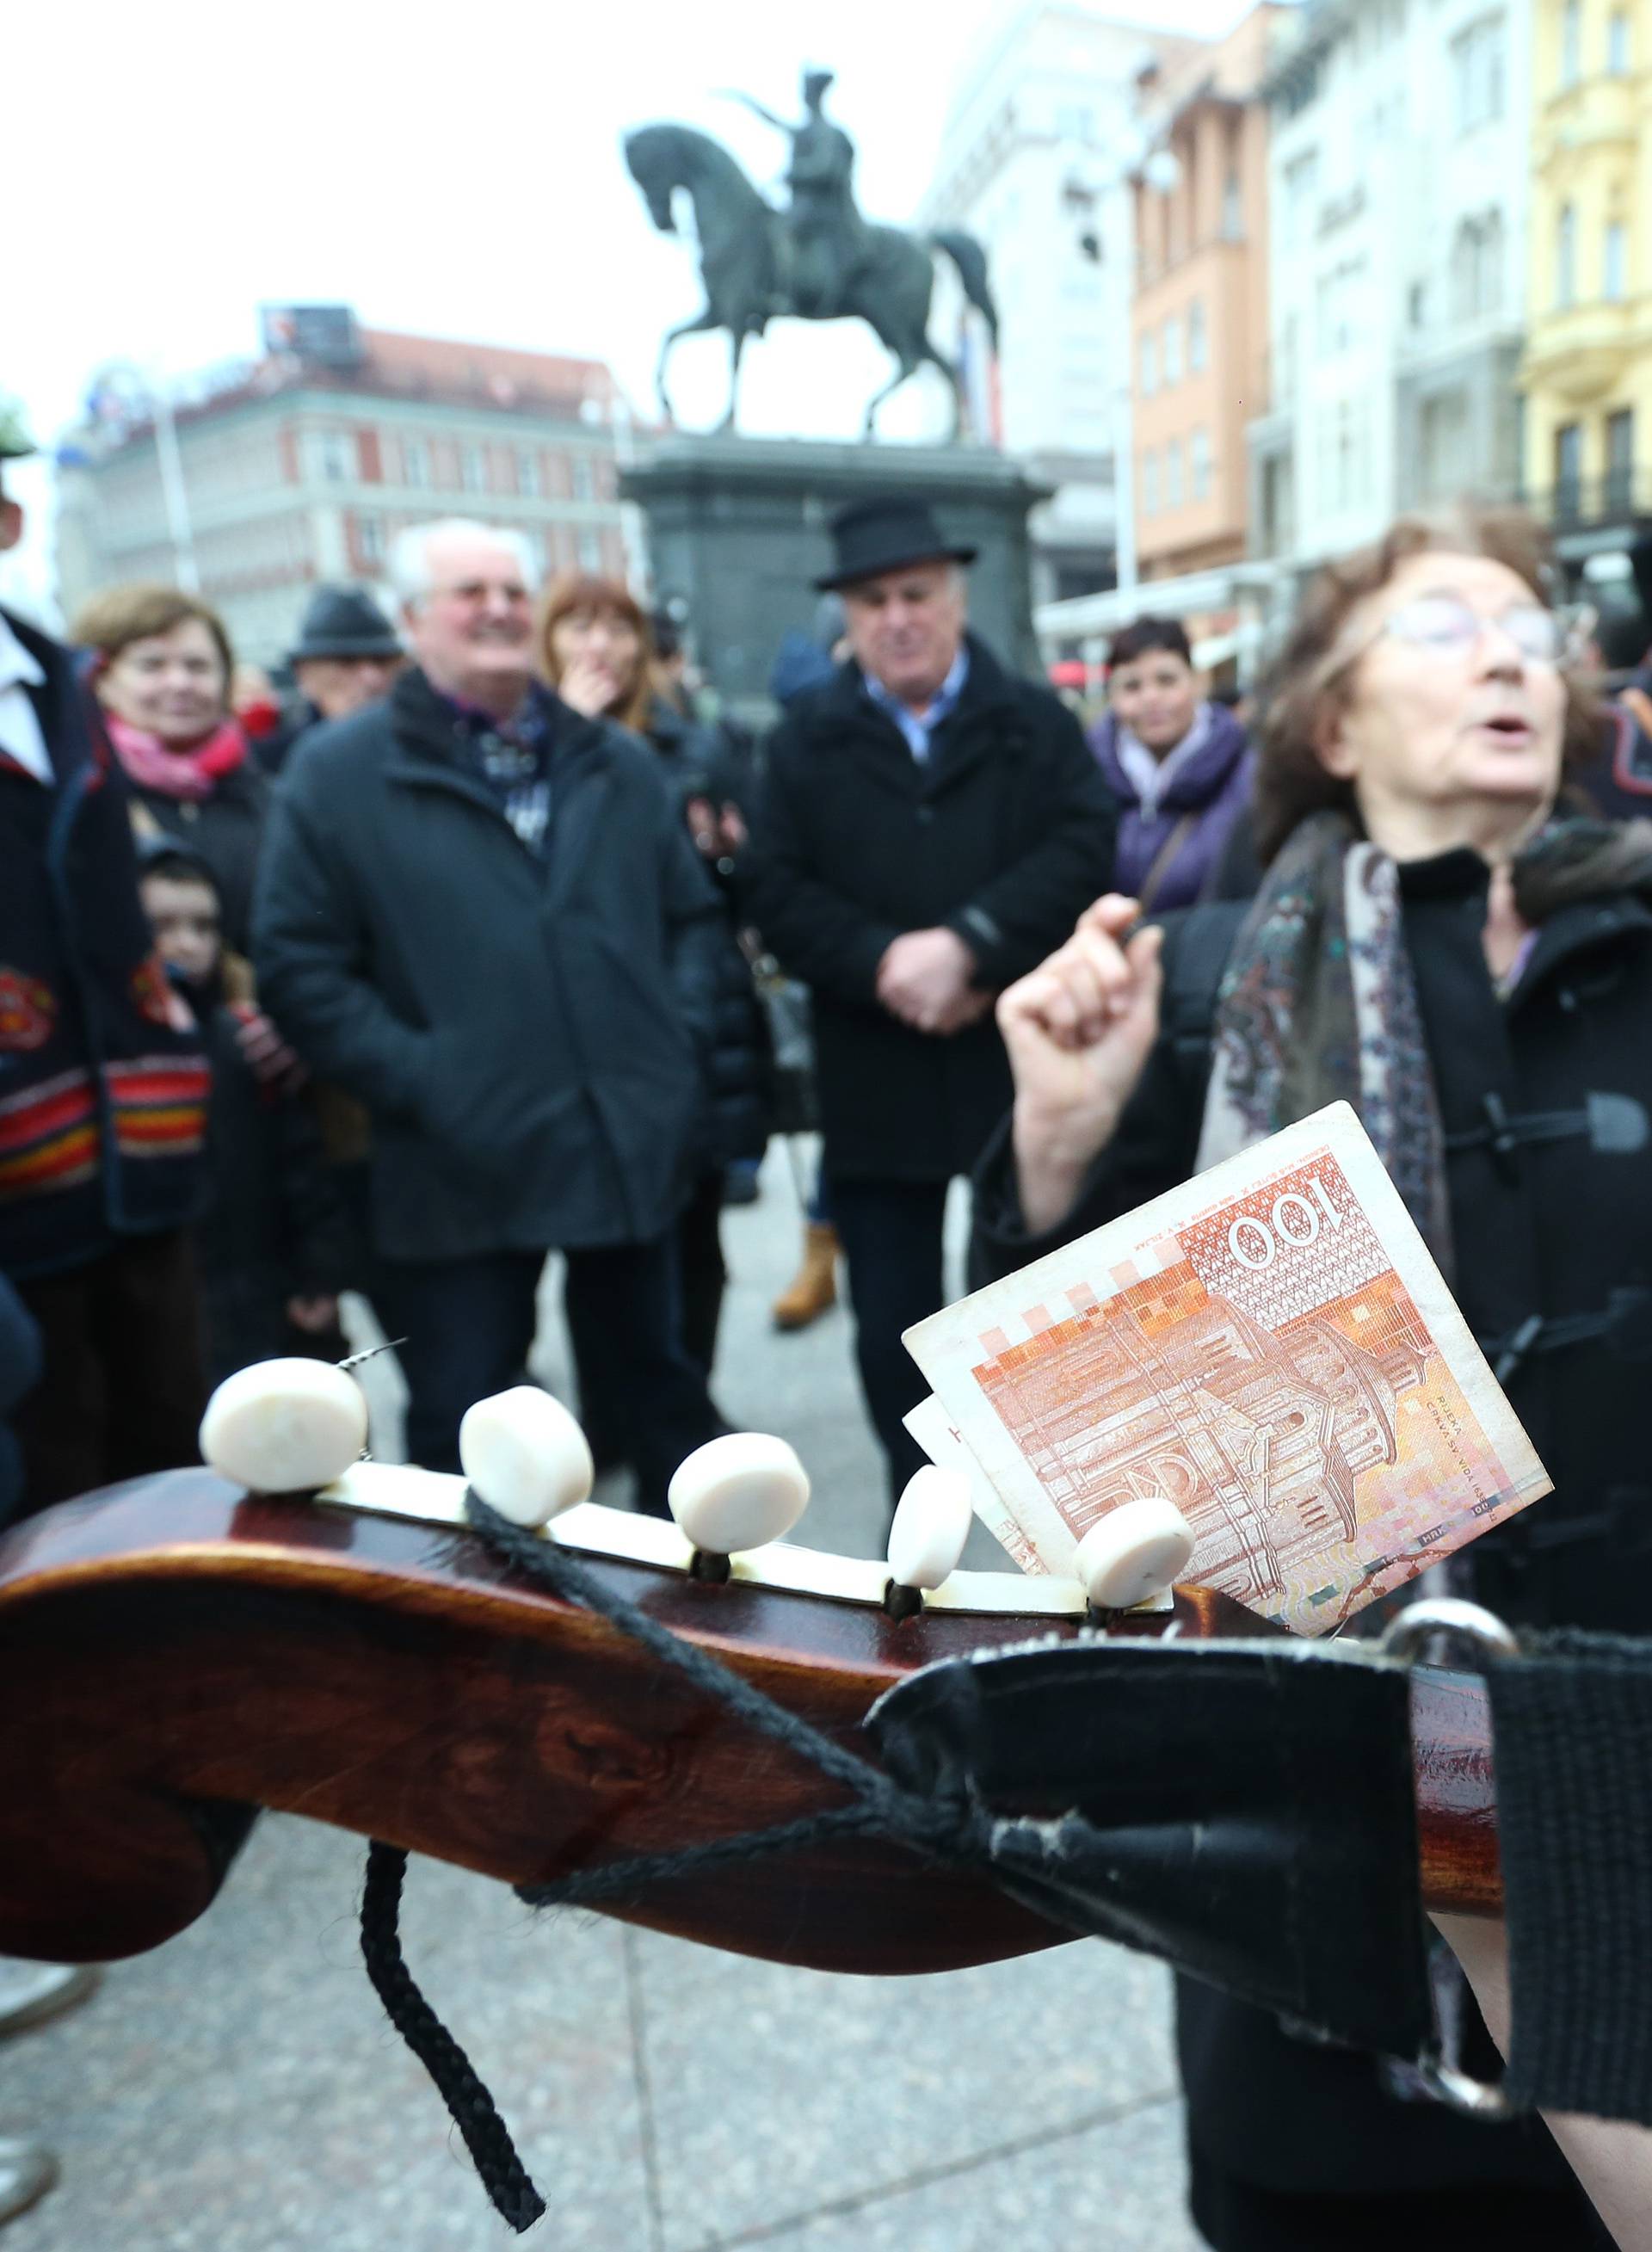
226,829
526,1031
274,1225
103,1081
1004,835
740,1115
1550,1229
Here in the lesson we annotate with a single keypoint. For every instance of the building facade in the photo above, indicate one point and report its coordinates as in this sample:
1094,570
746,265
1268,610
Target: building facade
1034,161
1587,374
305,471
1398,198
1198,321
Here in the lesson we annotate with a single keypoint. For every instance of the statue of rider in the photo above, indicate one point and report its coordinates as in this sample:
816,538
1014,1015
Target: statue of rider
821,237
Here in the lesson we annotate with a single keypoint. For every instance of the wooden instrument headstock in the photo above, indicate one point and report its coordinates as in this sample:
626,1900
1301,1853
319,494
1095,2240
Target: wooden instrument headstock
181,1651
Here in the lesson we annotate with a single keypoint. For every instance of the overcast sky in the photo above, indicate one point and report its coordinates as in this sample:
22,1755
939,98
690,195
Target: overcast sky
453,171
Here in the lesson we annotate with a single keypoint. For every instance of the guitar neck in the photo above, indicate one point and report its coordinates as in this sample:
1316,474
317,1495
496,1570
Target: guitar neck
185,1652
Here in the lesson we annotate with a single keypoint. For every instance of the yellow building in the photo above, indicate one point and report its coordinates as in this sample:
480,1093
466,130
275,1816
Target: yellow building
1587,374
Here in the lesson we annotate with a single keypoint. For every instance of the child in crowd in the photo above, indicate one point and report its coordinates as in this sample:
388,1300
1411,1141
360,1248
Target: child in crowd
271,1243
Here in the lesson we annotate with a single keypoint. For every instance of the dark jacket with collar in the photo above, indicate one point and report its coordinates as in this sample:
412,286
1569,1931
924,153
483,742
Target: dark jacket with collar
226,829
527,1030
740,1063
103,1080
1546,1227
1004,835
1181,845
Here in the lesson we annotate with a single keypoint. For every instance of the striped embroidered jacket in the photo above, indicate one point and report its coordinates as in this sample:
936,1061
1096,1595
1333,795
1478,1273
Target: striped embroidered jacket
103,1077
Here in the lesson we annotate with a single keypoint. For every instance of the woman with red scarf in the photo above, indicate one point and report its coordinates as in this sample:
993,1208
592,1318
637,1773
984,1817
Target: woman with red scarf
162,667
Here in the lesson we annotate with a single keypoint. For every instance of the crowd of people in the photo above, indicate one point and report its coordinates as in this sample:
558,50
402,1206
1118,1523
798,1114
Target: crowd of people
446,963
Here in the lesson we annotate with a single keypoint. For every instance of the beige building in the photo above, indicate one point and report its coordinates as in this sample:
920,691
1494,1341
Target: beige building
1199,322
305,468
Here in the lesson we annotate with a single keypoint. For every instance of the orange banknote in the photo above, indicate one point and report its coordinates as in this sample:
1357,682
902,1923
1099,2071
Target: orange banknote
1273,1347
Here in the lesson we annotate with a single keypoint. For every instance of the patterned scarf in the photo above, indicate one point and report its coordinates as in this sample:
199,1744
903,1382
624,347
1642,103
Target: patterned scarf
1318,1004
193,774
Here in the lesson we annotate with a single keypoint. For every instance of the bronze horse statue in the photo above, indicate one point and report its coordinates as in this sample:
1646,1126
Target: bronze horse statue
752,256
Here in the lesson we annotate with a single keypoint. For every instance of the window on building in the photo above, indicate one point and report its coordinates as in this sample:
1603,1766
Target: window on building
1620,437
1150,482
1615,259
1197,341
1149,368
590,550
1172,352
1477,73
415,463
1200,451
1173,473
1568,470
333,455
1336,307
583,482
473,471
1232,209
1565,258
530,478
1417,305
370,540
1618,43
1301,193
1571,42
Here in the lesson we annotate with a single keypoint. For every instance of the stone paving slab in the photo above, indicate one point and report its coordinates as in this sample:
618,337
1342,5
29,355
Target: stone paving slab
1112,2183
776,2091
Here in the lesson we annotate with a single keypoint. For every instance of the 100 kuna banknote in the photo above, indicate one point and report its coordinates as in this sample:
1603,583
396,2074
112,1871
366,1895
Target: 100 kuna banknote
1273,1347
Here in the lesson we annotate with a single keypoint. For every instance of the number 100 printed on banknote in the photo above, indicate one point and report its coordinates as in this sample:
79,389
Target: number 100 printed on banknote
1271,1346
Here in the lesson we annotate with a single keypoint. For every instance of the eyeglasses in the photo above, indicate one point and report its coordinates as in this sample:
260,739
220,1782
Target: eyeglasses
1447,624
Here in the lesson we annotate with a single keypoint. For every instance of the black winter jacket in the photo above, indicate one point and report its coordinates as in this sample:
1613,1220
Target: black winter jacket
103,1081
226,829
526,1031
1544,1228
274,1225
740,1113
1005,835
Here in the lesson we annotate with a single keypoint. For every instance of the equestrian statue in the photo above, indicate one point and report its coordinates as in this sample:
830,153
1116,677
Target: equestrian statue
817,259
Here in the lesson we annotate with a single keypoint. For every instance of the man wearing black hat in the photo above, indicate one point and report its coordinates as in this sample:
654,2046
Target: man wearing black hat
347,655
932,827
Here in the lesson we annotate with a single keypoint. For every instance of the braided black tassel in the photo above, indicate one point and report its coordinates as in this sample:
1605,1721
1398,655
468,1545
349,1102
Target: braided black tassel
475,2114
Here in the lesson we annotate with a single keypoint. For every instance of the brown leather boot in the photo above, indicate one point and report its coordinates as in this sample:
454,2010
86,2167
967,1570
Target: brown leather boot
814,1288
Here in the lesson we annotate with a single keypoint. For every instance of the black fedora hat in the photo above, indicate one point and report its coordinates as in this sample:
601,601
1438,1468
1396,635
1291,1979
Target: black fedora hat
342,622
874,536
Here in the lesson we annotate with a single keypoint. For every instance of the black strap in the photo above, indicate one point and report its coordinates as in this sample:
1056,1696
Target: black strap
1572,1722
1613,1125
1624,1323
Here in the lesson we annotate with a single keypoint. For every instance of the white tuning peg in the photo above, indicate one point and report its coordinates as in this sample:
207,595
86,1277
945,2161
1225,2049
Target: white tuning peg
740,1491
931,1525
1135,1551
284,1426
523,1454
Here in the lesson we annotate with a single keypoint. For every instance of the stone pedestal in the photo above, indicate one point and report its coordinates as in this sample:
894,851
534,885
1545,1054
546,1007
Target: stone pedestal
737,529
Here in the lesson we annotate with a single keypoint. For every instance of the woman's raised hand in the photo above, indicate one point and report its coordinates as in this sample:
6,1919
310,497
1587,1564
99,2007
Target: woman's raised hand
1079,1028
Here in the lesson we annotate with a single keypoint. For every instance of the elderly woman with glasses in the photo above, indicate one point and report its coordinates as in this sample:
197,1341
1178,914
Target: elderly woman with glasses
1440,942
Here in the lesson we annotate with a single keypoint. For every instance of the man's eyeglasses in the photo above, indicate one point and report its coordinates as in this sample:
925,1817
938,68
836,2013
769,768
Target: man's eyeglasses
1451,626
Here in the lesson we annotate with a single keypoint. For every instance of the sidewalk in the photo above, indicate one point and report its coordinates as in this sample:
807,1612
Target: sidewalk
239,2091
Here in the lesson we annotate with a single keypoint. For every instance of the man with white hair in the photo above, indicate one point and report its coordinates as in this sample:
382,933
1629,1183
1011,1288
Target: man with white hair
479,913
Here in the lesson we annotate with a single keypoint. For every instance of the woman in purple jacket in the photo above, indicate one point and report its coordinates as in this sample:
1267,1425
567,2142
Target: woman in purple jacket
1179,767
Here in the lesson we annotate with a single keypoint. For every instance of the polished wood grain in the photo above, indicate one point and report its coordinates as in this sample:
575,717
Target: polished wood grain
175,1653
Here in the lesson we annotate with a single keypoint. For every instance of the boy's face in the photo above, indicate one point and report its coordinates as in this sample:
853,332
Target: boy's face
183,914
